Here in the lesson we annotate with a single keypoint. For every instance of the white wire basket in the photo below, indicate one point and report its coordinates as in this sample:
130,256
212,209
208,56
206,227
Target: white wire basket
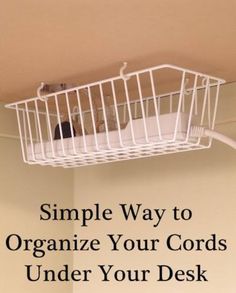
140,114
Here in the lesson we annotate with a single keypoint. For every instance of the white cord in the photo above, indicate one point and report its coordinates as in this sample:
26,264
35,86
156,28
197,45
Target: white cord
198,131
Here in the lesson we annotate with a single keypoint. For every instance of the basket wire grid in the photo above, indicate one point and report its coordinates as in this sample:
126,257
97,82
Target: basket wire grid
139,114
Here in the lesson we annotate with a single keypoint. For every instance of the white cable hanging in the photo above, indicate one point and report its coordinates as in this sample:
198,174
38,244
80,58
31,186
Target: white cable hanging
120,118
198,131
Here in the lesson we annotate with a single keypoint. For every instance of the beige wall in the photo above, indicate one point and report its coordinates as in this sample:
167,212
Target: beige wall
203,181
23,189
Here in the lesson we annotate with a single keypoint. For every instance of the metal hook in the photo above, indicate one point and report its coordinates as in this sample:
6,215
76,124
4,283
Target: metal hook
204,81
122,75
43,99
186,92
74,112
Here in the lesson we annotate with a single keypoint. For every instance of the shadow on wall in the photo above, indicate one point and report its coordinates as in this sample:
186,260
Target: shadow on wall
218,157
